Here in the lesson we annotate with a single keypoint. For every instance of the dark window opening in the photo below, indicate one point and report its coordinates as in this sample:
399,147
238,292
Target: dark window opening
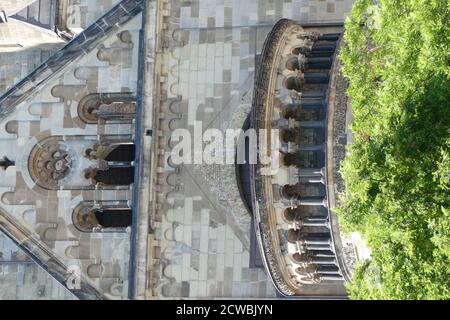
312,103
120,218
319,63
316,78
329,37
123,153
115,176
304,159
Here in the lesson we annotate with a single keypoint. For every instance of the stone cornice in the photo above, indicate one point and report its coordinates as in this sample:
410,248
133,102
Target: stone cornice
334,104
265,226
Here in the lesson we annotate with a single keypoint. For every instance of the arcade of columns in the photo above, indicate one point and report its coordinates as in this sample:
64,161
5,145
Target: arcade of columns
295,198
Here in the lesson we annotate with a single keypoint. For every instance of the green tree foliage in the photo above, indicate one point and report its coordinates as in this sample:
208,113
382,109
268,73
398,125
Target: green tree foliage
397,60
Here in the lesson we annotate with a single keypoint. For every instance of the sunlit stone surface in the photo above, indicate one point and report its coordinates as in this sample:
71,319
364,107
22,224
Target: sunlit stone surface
191,235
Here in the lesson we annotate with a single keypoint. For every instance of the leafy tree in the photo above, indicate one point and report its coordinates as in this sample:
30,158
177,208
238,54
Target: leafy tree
396,56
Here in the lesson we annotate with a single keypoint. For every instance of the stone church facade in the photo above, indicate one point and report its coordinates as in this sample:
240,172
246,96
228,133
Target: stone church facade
88,190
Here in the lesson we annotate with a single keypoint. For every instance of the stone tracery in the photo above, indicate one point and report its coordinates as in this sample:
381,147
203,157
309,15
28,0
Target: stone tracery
49,163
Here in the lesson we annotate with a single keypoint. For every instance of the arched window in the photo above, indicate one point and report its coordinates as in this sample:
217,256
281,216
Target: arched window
109,217
107,106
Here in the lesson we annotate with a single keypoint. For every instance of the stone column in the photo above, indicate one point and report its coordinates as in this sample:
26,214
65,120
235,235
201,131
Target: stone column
315,179
311,124
323,260
322,253
328,269
313,222
310,172
317,242
332,277
302,60
319,247
312,103
311,147
312,201
316,238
